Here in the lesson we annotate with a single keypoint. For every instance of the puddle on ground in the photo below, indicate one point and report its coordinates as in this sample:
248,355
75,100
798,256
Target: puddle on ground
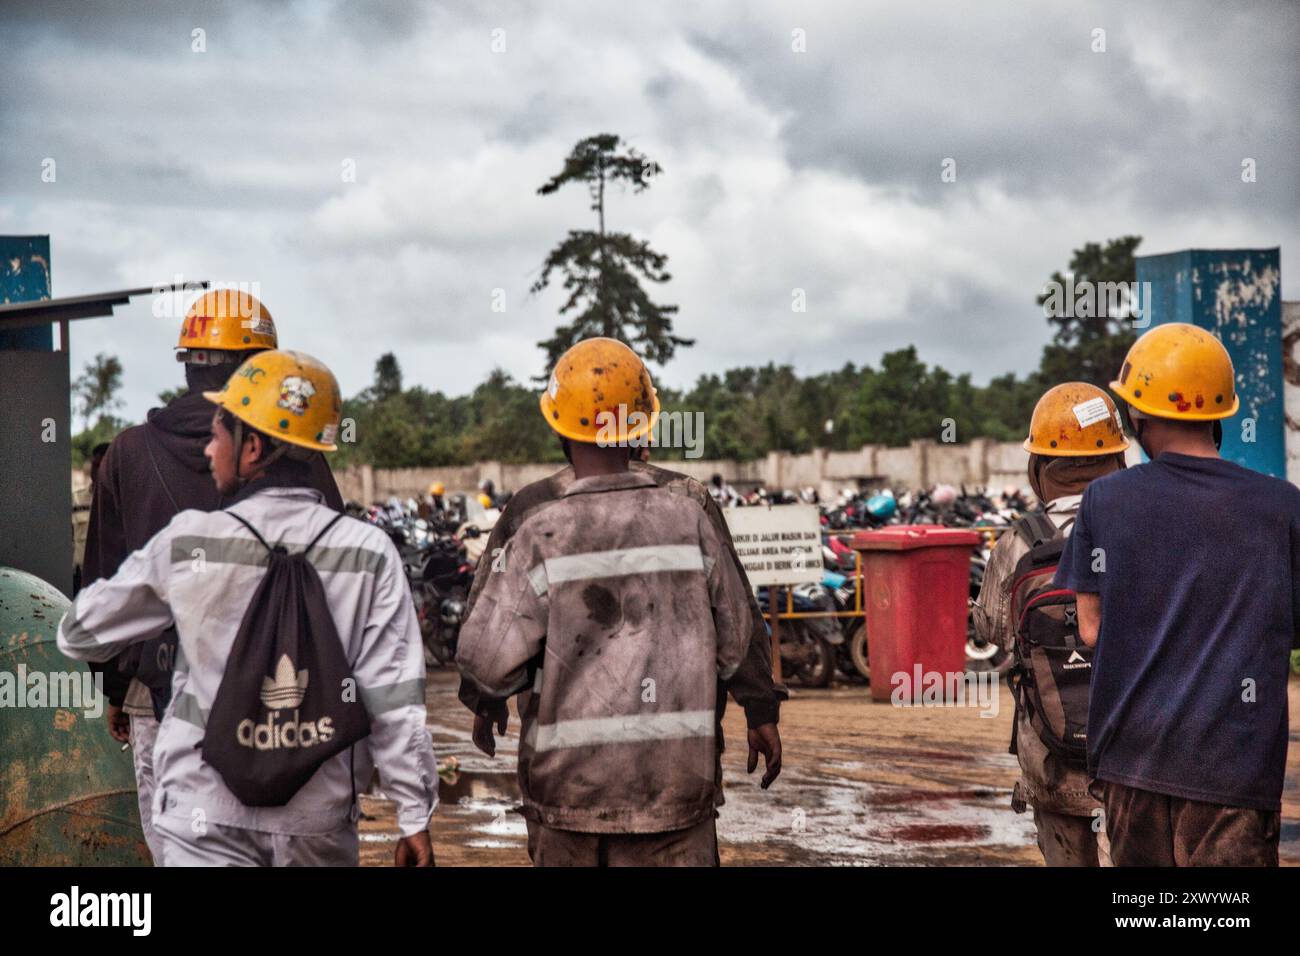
820,822
491,800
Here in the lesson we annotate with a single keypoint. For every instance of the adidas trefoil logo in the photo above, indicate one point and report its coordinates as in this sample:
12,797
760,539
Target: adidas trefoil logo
284,693
287,690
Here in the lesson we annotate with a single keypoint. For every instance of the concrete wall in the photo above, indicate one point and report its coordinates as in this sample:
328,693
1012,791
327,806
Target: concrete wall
921,464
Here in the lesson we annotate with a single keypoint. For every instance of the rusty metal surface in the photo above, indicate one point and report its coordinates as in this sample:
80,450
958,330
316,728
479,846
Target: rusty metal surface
67,790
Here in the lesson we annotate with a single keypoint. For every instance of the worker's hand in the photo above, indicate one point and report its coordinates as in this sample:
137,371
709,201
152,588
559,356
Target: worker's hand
416,850
119,724
767,741
498,714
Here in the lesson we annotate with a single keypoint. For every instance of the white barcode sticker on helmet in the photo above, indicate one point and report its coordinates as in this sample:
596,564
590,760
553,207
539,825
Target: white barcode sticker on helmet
1090,412
554,386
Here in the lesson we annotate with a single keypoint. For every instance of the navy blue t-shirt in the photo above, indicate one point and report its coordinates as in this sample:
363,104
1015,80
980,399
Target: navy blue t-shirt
1200,605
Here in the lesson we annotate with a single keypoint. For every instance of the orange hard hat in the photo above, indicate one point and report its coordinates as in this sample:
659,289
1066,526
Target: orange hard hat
1074,420
600,393
1179,371
227,320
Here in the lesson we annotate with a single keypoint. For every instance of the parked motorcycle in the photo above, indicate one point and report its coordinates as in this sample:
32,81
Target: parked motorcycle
809,646
441,588
437,570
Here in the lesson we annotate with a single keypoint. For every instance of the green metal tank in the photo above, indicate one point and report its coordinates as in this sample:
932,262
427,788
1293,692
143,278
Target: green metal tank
67,789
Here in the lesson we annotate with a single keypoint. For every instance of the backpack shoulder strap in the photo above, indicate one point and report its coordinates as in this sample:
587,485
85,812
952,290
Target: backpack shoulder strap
1035,529
333,522
252,529
323,532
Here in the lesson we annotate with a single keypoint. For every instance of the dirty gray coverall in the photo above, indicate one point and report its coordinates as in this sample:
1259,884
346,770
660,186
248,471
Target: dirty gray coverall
751,686
618,605
1064,811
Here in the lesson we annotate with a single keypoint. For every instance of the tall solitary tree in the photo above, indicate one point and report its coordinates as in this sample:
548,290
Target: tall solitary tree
601,268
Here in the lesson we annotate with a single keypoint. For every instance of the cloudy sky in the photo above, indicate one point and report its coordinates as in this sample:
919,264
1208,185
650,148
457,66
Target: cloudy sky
816,170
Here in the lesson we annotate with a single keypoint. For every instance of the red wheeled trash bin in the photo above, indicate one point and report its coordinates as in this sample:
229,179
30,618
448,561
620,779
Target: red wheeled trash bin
916,581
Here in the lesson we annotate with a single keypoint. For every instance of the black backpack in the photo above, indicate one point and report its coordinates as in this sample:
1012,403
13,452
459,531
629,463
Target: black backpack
281,710
1053,667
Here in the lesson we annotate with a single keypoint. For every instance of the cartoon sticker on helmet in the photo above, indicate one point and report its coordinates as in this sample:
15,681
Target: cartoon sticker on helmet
296,393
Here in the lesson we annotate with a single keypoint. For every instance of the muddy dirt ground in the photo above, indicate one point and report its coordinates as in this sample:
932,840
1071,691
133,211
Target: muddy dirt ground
863,783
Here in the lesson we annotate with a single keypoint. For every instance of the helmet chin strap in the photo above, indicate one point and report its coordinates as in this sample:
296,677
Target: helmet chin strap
240,479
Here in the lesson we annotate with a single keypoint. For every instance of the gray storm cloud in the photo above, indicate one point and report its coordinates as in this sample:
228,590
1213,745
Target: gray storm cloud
816,170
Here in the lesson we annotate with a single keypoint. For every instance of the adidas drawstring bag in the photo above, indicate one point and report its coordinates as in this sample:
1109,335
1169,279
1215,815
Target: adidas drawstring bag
281,710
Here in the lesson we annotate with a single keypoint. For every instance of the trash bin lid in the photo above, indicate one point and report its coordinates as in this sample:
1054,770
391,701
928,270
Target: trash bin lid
906,537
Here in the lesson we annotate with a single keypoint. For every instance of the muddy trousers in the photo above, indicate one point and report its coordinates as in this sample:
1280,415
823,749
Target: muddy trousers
694,846
144,733
217,845
1154,829
1067,840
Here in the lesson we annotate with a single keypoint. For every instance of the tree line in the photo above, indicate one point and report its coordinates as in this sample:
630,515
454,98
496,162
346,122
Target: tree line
747,412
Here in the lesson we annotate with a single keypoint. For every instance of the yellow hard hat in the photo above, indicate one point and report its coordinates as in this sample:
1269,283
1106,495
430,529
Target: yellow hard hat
600,391
484,500
289,396
1073,420
437,489
229,320
1179,371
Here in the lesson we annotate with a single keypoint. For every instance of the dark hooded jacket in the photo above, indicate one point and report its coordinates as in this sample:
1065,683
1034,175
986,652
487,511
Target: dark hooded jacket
150,473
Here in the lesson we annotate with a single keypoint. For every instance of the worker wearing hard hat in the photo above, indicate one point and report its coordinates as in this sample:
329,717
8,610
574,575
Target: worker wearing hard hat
433,506
751,686
1075,437
274,416
1187,570
149,474
617,611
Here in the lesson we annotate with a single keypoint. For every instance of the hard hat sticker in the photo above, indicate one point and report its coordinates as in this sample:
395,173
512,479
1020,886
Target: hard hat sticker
1090,412
553,387
295,394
